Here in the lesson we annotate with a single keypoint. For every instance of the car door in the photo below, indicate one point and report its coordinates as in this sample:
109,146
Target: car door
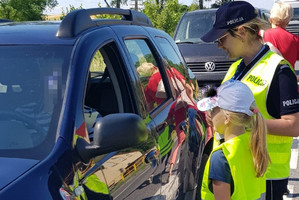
140,176
168,106
110,87
194,125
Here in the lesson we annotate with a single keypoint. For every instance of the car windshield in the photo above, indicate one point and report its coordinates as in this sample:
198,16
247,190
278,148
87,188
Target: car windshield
194,26
32,83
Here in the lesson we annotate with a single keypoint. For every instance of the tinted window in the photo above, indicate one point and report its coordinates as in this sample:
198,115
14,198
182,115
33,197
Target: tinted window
32,83
296,14
102,89
175,68
193,26
94,91
170,55
148,72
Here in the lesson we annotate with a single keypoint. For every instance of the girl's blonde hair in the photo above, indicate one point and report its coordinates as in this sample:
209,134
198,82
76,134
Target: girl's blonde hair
258,141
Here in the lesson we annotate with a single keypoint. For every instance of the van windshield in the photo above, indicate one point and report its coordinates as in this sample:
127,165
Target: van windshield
32,84
193,26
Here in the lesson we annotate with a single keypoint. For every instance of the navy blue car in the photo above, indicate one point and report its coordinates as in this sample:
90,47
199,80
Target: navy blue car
97,109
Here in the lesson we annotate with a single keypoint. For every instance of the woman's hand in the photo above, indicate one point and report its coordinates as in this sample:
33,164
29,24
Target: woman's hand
209,118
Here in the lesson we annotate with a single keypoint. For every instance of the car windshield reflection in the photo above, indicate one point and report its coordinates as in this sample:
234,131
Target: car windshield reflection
32,81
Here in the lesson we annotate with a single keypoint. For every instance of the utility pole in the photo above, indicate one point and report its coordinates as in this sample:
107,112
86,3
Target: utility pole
200,3
136,4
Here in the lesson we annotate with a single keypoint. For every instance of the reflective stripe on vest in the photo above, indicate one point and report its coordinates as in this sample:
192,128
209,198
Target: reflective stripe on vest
246,185
259,79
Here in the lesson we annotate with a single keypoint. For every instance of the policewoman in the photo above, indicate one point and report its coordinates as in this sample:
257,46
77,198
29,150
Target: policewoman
271,80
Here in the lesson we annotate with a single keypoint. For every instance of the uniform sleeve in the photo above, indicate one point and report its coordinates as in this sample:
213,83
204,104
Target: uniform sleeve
288,88
219,168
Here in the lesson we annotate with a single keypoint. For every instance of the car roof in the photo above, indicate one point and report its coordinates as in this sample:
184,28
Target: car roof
22,33
5,20
211,10
261,11
69,29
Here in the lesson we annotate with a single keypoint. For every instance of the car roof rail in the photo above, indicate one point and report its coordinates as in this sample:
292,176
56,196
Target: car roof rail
79,20
5,20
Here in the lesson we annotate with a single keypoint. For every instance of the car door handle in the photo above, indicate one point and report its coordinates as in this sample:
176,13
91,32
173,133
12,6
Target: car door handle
183,126
151,157
160,128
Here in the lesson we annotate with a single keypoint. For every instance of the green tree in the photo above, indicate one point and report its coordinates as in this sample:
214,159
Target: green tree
102,16
68,10
116,3
219,3
29,10
200,4
165,14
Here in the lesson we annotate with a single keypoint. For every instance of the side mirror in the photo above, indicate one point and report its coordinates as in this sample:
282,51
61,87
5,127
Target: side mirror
113,133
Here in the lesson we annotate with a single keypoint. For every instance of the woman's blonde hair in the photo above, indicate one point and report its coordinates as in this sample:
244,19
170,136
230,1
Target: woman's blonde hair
258,141
253,27
281,14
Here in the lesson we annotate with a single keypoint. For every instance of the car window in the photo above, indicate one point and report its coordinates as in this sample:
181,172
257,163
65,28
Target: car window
175,68
102,95
194,26
32,84
148,71
93,91
296,14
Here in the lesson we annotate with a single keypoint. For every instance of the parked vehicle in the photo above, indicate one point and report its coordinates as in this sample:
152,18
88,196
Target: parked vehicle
83,117
293,26
207,62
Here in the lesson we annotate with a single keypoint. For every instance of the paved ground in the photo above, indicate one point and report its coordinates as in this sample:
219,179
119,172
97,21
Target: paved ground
294,177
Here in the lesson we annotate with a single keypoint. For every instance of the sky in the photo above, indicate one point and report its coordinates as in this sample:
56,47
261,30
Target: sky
63,4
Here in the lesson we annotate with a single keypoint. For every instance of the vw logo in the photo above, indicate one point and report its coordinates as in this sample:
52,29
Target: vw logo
210,66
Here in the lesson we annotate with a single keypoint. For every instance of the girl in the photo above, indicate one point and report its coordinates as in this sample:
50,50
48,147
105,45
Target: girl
236,168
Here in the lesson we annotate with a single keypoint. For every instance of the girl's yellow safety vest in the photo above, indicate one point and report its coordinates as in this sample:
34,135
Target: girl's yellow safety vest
259,79
246,185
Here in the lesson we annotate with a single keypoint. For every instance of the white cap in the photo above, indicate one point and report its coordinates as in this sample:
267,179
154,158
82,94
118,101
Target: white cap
232,95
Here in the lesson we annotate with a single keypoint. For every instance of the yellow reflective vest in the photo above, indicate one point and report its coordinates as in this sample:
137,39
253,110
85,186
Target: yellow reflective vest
259,79
246,185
